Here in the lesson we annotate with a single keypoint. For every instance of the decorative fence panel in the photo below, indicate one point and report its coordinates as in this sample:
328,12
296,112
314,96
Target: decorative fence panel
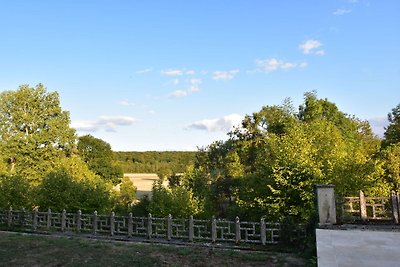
372,209
112,226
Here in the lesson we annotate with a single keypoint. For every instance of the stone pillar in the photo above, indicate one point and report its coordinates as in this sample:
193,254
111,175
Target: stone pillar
94,222
363,207
191,228
149,226
326,204
78,221
48,217
263,235
213,229
237,230
130,225
35,219
63,220
169,227
112,223
395,206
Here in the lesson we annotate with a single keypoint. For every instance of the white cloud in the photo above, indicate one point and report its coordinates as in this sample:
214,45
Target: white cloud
108,123
310,46
143,71
126,103
225,75
378,125
190,72
225,124
341,12
194,86
273,64
171,72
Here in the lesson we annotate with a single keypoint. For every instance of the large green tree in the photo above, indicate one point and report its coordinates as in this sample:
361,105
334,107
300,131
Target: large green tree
270,165
34,131
99,157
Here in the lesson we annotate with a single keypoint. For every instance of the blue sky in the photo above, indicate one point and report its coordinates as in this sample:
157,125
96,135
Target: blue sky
175,75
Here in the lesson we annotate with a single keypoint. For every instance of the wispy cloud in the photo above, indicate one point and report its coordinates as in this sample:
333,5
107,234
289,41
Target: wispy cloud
225,124
273,64
126,103
310,47
341,12
144,71
108,123
224,75
194,86
177,72
172,72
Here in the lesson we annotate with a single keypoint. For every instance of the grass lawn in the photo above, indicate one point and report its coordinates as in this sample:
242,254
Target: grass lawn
18,249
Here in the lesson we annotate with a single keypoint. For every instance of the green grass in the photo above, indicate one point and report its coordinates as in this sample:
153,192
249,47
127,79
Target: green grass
18,249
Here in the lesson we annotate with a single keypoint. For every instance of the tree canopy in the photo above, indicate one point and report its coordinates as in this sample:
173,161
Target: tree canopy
99,157
34,131
392,131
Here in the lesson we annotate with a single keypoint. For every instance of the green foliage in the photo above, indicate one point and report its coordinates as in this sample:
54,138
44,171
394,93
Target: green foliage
124,197
34,131
177,201
392,132
62,189
14,192
154,162
270,166
99,157
391,157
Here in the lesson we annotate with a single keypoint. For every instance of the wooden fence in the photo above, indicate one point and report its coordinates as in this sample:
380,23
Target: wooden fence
369,209
126,227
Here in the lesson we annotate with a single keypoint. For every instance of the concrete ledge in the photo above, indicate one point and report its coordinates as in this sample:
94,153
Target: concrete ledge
358,247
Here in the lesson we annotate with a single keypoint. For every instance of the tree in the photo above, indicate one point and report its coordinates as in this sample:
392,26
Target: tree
392,131
124,196
99,157
34,131
72,186
15,192
177,201
269,167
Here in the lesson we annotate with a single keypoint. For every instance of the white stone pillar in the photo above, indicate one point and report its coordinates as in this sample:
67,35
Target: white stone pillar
326,204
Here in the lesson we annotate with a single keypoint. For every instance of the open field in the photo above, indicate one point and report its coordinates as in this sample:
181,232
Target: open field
143,182
38,250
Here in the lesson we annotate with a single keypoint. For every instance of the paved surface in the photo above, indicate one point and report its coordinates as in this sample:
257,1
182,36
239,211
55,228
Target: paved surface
352,248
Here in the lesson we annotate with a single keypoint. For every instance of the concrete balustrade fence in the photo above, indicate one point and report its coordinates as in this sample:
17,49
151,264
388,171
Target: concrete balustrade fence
153,228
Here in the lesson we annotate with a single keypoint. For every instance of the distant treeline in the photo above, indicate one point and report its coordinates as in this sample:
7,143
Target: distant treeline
154,161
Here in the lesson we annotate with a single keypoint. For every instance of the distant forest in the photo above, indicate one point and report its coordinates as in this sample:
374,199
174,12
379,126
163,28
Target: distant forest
154,161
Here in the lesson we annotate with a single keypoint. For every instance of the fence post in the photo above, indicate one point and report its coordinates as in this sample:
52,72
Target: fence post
22,218
169,227
63,220
48,225
363,207
130,225
149,226
191,228
94,222
35,219
112,223
78,221
213,229
9,218
237,230
326,204
263,235
395,206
